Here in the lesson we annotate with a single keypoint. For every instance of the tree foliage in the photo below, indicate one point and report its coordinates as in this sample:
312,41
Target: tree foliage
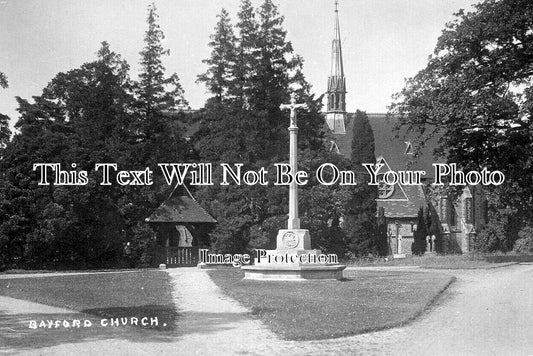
360,221
75,125
88,115
476,96
243,123
3,80
220,77
155,90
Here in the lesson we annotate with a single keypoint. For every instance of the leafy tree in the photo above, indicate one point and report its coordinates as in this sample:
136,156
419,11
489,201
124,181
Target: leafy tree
524,244
360,221
219,77
475,94
81,118
84,116
501,231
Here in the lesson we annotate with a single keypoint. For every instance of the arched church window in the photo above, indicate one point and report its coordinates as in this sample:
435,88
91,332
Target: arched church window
384,190
337,106
469,211
453,215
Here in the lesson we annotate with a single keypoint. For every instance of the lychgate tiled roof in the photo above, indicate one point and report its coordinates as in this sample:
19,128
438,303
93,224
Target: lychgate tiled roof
180,207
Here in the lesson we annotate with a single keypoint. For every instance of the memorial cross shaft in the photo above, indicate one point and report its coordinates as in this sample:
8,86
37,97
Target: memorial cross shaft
294,220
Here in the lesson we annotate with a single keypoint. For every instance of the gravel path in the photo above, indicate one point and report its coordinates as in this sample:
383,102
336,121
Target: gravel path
212,323
486,312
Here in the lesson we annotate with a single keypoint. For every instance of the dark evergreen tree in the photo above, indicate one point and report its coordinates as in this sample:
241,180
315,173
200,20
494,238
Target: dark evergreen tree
249,128
245,63
360,222
419,244
81,118
155,95
155,90
219,77
382,242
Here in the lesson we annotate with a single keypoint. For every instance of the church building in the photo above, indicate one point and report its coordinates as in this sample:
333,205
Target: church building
458,221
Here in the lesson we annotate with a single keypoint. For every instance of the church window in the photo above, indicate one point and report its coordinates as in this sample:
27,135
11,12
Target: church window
469,211
408,148
443,208
384,190
453,216
334,148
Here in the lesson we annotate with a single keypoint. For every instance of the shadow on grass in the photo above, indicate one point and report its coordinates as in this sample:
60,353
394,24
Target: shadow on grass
16,333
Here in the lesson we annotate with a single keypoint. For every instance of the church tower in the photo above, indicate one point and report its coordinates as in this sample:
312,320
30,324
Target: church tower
336,110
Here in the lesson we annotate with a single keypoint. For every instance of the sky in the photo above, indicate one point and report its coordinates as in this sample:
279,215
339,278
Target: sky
384,41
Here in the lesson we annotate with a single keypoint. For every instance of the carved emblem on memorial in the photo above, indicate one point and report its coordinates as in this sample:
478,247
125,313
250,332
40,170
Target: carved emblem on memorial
290,240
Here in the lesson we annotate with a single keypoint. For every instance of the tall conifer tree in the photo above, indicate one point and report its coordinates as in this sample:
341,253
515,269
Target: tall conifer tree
245,64
360,220
219,76
152,86
157,94
249,128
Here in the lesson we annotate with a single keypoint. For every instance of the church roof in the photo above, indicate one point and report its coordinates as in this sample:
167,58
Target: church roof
405,208
393,146
182,208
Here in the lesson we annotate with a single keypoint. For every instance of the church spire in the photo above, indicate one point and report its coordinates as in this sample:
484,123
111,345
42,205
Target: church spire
337,69
336,110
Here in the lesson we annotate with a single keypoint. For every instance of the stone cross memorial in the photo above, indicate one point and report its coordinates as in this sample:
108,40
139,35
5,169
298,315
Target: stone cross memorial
293,237
293,258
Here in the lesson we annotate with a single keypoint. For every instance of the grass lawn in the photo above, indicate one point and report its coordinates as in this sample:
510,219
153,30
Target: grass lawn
466,261
95,297
146,293
313,310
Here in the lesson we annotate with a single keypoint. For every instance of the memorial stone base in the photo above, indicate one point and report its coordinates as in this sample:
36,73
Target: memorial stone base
292,260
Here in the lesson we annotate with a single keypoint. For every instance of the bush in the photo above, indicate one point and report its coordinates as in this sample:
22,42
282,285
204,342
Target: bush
142,248
524,244
500,232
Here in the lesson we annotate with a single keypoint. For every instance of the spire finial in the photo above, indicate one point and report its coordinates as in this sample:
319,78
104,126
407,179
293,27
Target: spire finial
336,4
